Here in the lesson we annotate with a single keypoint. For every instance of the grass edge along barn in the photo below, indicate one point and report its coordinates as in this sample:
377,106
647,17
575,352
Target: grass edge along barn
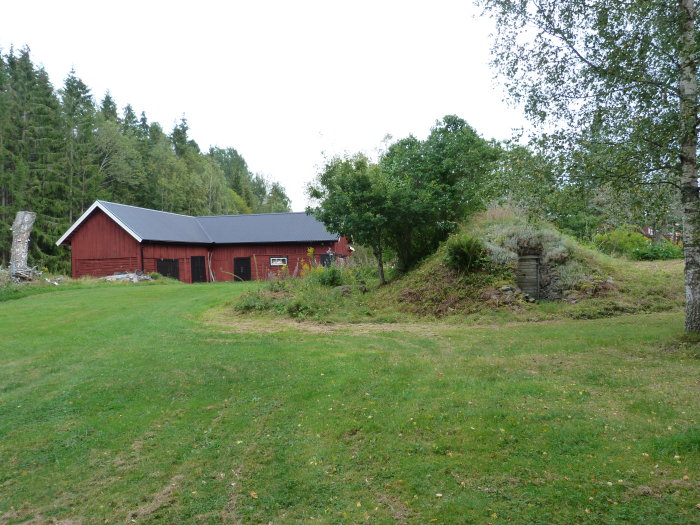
111,238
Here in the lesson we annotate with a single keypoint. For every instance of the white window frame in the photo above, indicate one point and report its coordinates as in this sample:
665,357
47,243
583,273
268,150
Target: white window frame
278,261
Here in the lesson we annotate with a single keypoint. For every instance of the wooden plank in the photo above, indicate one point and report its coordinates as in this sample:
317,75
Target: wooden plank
527,275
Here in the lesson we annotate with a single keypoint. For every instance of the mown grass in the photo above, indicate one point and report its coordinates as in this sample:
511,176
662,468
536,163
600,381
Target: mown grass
10,291
120,404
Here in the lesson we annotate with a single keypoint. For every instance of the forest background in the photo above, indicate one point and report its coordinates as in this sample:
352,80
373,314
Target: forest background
60,150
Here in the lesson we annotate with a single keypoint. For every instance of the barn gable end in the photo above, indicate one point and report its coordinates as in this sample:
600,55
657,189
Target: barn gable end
101,247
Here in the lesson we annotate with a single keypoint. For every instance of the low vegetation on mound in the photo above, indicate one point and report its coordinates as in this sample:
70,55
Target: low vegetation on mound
474,274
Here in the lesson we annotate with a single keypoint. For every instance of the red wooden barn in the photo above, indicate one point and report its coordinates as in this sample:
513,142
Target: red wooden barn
111,238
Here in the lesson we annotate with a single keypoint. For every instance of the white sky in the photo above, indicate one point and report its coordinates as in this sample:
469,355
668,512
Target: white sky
283,82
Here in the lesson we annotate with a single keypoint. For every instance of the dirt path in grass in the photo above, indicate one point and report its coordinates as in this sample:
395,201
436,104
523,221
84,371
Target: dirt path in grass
227,321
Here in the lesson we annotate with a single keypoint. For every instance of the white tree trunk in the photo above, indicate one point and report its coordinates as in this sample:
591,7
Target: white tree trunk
689,170
21,229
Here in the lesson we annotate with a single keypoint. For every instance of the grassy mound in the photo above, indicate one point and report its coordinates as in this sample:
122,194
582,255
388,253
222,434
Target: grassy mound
473,274
576,281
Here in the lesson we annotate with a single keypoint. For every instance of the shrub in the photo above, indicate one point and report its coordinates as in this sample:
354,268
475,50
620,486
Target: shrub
331,276
465,253
658,251
324,276
572,274
309,296
507,240
530,240
622,241
501,256
257,300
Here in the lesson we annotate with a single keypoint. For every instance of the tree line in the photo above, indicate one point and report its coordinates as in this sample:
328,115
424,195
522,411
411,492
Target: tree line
60,150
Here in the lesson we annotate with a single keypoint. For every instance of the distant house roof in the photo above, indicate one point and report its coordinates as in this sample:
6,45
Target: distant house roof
152,225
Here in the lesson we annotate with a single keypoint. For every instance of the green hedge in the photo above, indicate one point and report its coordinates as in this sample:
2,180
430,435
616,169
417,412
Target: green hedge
621,241
658,251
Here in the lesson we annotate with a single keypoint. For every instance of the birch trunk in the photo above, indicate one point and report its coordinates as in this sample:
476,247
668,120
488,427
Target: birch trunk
689,171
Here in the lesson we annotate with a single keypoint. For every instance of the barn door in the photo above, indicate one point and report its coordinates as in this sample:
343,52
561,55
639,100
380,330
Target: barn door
199,271
241,269
168,268
326,259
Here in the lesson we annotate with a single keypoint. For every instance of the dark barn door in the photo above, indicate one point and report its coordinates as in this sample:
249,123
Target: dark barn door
326,259
199,271
168,268
241,268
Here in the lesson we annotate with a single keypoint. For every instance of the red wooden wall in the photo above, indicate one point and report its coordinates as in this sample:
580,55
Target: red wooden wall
181,252
100,247
296,253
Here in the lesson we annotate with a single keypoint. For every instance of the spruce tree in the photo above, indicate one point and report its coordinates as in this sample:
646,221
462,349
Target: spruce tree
36,148
108,108
79,116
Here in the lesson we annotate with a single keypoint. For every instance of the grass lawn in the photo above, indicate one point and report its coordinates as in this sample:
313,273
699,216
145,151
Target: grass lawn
147,403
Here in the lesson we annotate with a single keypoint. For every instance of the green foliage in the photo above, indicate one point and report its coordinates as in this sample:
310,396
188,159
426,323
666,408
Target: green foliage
614,84
622,241
320,293
508,234
352,196
578,206
436,183
605,75
464,253
330,276
657,251
414,197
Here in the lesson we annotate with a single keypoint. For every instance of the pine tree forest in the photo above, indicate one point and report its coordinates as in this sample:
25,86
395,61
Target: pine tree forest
60,150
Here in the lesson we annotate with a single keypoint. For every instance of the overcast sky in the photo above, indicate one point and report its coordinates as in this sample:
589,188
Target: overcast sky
285,83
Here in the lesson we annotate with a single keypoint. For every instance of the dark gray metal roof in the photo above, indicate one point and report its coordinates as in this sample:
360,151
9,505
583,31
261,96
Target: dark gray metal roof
265,228
153,225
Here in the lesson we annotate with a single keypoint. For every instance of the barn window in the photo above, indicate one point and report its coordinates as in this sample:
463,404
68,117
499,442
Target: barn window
278,261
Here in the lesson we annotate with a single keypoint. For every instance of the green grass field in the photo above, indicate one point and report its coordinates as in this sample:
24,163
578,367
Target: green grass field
147,403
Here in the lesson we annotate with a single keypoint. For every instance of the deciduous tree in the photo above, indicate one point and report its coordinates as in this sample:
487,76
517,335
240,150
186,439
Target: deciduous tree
351,201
